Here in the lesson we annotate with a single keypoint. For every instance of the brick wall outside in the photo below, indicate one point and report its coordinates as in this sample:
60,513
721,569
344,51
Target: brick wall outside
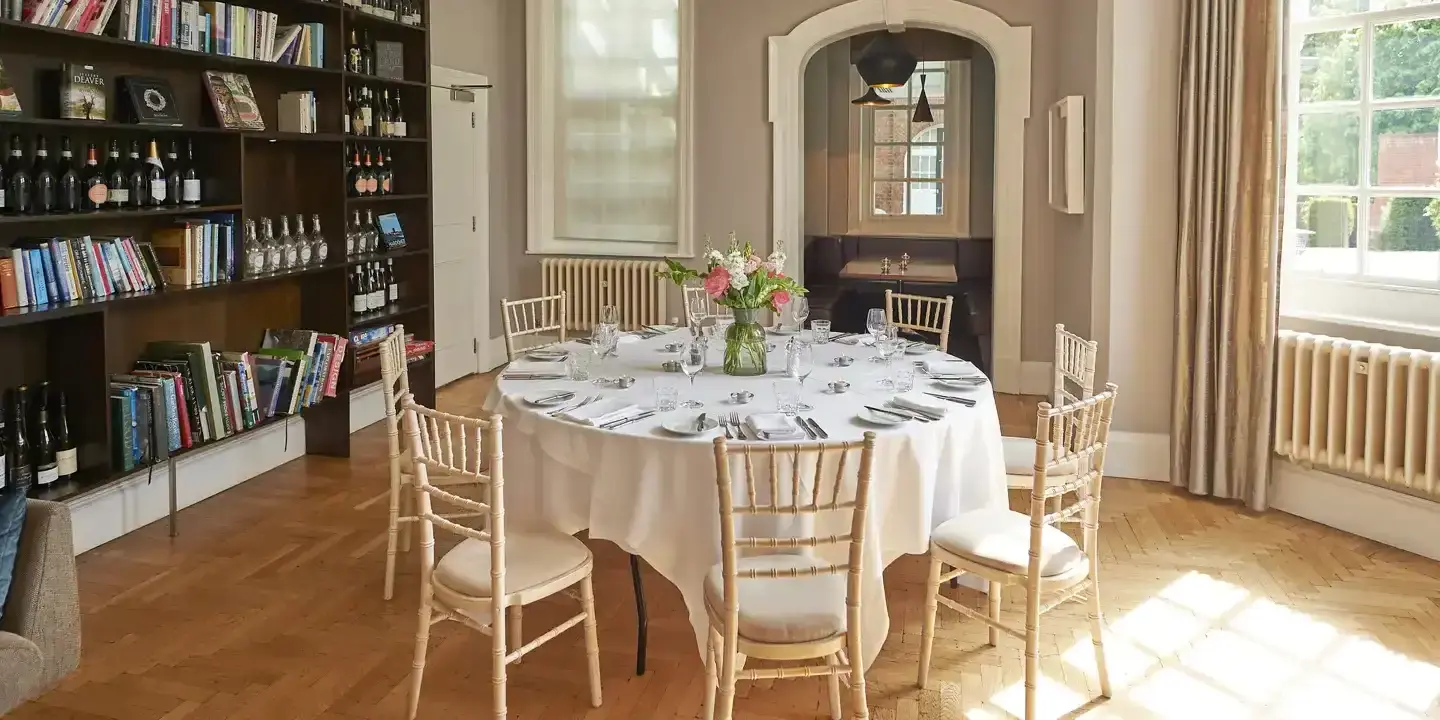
889,196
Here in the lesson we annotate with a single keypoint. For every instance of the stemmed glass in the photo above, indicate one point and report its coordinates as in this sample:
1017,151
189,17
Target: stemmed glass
886,348
610,315
692,361
799,310
799,365
876,323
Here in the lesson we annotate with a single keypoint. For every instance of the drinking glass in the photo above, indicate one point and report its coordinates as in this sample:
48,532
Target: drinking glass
610,315
799,363
799,310
692,361
603,339
875,323
822,330
787,396
902,378
887,345
578,363
667,394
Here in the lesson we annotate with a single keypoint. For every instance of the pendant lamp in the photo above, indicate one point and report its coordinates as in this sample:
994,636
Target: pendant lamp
870,99
885,63
922,106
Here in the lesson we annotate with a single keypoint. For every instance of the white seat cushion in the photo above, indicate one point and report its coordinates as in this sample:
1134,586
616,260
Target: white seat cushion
532,561
781,610
1020,459
1001,539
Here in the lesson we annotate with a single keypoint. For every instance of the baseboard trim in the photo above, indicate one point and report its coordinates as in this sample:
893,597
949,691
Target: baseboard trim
1391,518
1037,378
1138,456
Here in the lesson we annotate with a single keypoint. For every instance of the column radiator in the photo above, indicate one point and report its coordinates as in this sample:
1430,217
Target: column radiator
1369,411
630,285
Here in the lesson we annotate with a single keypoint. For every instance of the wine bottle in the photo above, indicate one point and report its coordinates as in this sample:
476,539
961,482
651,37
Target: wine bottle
65,461
367,110
377,298
382,176
190,180
155,187
385,130
42,179
22,473
357,114
356,182
174,184
302,243
69,196
4,451
43,450
136,180
291,259
372,233
390,176
372,185
17,185
93,183
317,238
352,236
274,254
367,54
349,108
115,180
357,292
397,118
3,208
352,58
392,286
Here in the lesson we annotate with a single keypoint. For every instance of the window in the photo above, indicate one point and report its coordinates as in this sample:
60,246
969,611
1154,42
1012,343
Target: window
914,177
1362,205
609,127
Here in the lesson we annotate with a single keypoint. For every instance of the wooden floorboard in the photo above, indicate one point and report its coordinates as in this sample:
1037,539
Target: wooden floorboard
268,606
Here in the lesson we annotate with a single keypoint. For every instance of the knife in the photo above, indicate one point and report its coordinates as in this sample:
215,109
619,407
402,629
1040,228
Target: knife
810,432
563,395
823,435
627,421
700,424
967,402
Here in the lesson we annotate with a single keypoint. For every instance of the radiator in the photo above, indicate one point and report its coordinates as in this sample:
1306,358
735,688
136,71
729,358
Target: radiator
1366,410
589,284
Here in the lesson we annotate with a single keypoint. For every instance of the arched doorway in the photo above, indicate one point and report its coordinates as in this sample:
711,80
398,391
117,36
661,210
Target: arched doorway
1010,48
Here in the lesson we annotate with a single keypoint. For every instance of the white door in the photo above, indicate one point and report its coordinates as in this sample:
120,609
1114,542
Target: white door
459,155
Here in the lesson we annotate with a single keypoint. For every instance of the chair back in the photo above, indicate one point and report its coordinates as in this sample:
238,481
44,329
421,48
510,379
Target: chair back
394,386
1075,435
1074,366
463,448
780,493
536,316
922,313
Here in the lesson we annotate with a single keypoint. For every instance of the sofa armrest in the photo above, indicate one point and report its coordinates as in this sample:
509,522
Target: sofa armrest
20,670
44,603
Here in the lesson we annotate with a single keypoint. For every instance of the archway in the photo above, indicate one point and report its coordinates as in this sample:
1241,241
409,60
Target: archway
1010,48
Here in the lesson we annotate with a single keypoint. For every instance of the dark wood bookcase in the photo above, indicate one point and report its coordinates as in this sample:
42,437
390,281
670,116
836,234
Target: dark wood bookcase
76,346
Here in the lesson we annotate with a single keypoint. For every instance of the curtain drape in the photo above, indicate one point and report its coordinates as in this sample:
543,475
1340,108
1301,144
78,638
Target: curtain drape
1231,147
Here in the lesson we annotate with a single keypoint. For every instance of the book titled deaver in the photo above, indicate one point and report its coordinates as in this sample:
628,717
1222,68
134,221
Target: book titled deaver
82,93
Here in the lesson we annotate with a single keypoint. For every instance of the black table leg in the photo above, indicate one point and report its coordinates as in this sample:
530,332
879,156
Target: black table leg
641,619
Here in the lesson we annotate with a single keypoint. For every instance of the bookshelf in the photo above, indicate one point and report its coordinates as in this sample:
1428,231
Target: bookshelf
77,345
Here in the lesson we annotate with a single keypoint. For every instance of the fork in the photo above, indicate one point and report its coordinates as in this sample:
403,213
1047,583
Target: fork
588,399
735,421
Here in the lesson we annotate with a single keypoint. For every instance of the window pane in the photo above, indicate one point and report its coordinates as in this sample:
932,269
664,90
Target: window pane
1403,240
1329,149
934,87
926,198
889,163
1392,4
1330,66
891,126
931,132
1327,8
1407,59
1404,147
889,198
1324,236
927,161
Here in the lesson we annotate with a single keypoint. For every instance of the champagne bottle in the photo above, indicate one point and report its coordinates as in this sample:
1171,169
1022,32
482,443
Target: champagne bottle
115,180
372,185
389,173
356,182
155,187
93,182
65,460
136,180
174,183
22,473
69,196
42,178
43,453
17,184
382,175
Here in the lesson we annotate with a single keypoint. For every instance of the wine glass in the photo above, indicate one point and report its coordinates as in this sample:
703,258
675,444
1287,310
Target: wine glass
800,362
799,310
603,339
610,315
886,347
876,323
692,361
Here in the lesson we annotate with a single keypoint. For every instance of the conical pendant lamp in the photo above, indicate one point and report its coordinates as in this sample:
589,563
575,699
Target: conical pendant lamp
922,105
870,99
885,63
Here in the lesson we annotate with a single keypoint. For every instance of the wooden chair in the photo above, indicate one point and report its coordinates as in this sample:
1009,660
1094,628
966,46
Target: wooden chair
536,316
920,313
787,607
1004,549
395,384
1074,366
489,570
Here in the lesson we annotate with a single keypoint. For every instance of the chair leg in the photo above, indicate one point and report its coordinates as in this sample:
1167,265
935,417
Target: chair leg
725,704
1097,629
641,618
497,669
392,530
711,651
1032,661
407,509
517,637
993,592
422,643
932,602
833,660
592,640
861,709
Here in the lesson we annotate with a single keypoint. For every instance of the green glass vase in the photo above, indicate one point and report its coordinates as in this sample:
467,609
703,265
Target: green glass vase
745,344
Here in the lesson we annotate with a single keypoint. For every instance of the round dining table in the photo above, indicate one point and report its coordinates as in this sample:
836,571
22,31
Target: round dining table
653,492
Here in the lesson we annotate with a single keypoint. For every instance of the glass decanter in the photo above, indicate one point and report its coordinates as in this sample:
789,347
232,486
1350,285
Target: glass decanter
352,237
303,248
273,256
290,259
254,251
321,251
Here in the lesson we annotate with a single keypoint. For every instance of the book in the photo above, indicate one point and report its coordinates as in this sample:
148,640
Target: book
121,423
202,373
82,93
150,101
233,100
9,295
9,100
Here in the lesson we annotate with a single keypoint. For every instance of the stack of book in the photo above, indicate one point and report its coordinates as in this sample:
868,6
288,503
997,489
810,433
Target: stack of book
367,344
86,16
199,251
40,271
222,29
183,394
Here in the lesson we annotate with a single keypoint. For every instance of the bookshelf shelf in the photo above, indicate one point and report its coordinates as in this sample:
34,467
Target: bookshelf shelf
118,214
362,18
382,317
386,198
367,140
396,254
363,79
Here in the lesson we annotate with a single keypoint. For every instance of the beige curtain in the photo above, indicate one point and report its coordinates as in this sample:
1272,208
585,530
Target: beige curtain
1231,148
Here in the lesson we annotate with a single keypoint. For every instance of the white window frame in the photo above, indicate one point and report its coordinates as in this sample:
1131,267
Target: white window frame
543,73
1368,301
954,220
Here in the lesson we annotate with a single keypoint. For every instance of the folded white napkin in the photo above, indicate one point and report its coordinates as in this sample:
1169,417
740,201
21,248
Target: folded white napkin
950,367
865,340
539,368
602,412
774,426
922,403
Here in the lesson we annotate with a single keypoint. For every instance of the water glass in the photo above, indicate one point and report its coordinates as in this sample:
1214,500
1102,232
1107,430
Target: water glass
610,315
578,364
799,310
667,394
604,338
821,329
787,396
902,378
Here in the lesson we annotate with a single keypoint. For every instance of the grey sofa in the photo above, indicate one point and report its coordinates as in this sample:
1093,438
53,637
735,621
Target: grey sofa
40,630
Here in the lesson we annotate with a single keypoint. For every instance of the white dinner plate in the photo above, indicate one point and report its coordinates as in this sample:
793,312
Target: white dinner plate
547,355
546,398
960,384
782,330
685,425
919,348
878,418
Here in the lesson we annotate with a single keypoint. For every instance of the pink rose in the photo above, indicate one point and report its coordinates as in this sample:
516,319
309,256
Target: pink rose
752,264
780,297
717,282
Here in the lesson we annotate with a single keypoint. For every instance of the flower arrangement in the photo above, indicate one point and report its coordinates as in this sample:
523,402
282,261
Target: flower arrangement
740,279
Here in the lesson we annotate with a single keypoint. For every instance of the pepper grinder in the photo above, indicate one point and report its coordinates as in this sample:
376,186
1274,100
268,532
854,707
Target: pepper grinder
904,263
885,266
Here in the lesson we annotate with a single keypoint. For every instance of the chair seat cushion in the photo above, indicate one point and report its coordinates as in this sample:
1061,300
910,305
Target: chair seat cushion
781,610
1020,459
532,560
1001,539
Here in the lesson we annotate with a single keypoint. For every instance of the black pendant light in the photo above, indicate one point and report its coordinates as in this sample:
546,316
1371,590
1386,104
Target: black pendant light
922,106
885,63
870,99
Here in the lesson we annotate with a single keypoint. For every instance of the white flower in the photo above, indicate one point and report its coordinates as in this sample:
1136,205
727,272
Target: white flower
714,257
739,281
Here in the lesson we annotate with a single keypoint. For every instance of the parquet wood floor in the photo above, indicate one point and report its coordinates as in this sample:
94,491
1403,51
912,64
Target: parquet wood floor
268,607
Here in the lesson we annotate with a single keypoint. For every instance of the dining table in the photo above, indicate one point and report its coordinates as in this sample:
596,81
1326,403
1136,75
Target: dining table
653,491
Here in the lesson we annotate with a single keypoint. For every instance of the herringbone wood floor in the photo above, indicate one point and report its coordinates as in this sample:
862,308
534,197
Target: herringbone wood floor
268,607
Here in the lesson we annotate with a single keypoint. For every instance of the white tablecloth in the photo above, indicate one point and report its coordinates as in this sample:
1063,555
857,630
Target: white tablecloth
654,495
